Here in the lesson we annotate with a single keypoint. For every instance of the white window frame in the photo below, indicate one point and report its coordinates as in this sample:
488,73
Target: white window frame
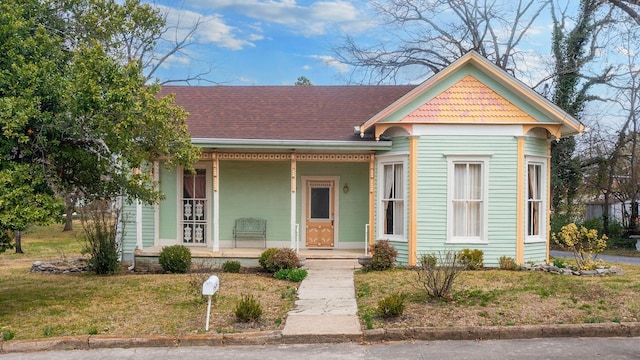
542,231
383,160
483,160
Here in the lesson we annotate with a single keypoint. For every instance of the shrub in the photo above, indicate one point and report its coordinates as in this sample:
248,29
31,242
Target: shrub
437,277
383,256
559,263
101,229
266,257
231,266
507,263
583,242
391,305
248,309
8,335
471,259
175,259
274,259
285,258
295,275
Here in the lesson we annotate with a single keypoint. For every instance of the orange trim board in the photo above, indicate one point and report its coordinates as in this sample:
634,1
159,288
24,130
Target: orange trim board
520,204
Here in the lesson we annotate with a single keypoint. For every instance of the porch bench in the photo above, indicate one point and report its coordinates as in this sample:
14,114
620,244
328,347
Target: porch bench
250,229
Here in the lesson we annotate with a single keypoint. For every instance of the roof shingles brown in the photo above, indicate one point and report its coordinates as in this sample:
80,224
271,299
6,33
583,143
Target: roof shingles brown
282,112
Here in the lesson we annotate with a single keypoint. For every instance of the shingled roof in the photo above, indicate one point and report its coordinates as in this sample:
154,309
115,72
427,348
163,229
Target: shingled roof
282,112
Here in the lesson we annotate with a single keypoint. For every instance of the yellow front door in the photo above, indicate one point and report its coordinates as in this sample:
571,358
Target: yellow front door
319,213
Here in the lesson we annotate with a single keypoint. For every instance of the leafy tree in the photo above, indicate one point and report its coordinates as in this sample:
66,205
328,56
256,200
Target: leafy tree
129,32
73,116
303,81
572,49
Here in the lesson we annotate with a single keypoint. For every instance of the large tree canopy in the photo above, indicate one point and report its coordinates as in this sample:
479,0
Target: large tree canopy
75,116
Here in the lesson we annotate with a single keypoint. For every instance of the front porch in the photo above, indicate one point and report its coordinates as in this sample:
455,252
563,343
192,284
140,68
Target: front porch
147,259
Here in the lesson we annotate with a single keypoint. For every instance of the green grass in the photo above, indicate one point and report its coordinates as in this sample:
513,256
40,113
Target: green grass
499,297
34,305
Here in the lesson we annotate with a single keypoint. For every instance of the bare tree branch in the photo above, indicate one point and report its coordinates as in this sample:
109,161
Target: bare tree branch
429,35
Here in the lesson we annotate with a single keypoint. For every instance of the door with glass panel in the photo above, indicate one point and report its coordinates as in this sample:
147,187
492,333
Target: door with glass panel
320,213
194,207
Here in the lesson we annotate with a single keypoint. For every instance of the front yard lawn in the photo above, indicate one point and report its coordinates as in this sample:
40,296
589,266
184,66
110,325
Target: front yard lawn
501,297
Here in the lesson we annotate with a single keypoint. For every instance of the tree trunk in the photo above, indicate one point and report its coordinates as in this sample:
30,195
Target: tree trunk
68,225
18,235
605,213
70,201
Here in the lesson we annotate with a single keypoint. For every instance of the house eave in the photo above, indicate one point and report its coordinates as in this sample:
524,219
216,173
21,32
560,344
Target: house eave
276,144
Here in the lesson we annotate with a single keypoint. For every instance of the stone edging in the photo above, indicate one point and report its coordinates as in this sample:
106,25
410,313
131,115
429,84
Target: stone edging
627,329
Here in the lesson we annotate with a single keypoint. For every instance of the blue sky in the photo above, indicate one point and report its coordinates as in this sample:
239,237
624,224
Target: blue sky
264,42
273,42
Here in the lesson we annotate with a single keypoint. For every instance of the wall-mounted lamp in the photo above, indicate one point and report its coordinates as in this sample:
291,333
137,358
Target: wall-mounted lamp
345,188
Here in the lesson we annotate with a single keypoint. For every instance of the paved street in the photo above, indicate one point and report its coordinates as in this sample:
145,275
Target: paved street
606,258
560,348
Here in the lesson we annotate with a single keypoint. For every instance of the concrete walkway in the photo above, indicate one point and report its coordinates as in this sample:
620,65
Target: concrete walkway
326,302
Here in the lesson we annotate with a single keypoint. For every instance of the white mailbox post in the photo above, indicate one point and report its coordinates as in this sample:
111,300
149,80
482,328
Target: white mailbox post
209,288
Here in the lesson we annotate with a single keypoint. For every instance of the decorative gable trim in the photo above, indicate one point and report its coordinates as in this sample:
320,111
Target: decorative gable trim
469,101
568,124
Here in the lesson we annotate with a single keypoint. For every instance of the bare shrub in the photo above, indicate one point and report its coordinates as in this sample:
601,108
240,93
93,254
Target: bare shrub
100,222
437,272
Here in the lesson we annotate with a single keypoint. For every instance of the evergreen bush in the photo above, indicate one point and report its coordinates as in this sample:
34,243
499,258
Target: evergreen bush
175,259
507,263
274,259
391,305
231,266
471,259
266,258
248,309
383,256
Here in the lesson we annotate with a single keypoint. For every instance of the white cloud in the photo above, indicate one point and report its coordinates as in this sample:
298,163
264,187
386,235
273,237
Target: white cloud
315,19
331,62
212,29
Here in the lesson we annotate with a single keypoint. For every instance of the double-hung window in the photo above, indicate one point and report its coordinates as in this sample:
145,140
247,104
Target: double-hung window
392,206
535,196
467,210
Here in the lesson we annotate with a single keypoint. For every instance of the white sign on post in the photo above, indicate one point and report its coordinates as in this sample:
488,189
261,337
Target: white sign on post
209,288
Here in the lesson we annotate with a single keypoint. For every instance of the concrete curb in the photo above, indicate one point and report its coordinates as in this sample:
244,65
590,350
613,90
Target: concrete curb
627,329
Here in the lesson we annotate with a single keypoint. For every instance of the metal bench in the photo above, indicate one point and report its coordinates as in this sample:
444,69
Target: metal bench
251,229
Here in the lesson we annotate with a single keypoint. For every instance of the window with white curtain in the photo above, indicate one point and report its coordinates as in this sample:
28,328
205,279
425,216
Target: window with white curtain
467,211
535,195
392,200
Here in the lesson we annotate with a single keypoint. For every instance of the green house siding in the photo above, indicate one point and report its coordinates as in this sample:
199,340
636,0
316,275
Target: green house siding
353,205
129,235
433,189
129,239
168,207
255,189
535,252
535,146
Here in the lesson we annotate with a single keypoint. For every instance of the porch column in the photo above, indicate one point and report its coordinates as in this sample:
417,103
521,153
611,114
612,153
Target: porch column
413,199
215,164
547,207
156,206
294,177
520,191
372,198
